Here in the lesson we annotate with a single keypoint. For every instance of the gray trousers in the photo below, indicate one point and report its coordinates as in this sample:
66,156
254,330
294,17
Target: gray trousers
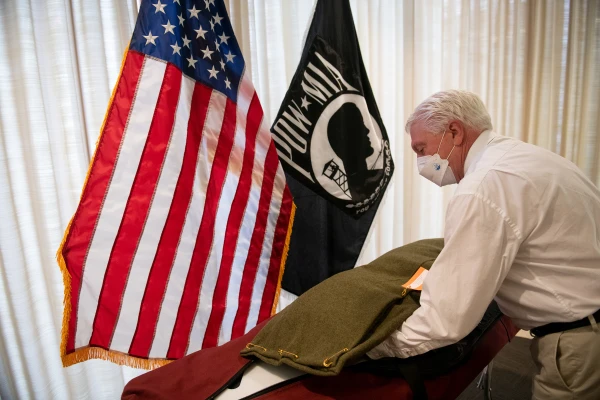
568,364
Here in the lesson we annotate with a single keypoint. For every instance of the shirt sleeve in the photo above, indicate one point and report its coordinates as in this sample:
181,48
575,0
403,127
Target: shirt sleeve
480,246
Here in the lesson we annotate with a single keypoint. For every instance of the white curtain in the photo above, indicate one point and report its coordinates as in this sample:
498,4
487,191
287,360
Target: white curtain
536,64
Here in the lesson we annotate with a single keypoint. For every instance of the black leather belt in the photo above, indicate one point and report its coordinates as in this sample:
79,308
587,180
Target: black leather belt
562,326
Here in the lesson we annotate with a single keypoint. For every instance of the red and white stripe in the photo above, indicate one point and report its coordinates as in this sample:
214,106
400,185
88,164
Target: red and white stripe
178,239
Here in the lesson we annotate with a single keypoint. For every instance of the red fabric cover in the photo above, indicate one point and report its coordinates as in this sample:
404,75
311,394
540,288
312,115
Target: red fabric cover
200,374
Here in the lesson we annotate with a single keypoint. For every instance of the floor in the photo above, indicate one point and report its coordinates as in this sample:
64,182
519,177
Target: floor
512,372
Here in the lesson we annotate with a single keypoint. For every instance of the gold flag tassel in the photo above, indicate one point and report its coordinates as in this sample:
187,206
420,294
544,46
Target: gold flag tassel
286,248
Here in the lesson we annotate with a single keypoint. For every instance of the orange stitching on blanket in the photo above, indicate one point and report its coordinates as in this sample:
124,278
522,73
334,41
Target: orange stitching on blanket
287,352
329,364
250,345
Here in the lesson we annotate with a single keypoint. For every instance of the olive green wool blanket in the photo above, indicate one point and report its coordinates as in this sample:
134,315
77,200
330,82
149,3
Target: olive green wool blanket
339,320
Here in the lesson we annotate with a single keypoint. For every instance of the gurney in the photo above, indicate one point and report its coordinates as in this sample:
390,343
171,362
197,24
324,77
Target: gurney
294,354
221,373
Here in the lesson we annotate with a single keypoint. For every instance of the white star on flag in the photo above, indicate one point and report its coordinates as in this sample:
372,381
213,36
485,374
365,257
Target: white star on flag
305,103
229,57
206,3
192,62
159,7
222,65
150,39
207,52
217,44
168,27
212,25
176,1
212,2
218,19
194,12
213,72
224,38
181,19
227,83
201,32
186,42
176,48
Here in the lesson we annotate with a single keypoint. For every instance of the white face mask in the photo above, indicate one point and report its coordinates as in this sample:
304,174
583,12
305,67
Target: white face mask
435,169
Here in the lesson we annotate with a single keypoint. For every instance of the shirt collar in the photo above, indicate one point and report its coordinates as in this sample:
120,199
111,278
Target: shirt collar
477,148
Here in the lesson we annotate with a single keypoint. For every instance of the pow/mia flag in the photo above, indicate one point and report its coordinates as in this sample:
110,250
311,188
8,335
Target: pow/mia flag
334,149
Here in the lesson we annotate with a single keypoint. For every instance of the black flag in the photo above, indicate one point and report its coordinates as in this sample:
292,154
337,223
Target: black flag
334,149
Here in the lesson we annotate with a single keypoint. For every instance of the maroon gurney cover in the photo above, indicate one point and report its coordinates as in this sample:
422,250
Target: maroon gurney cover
202,374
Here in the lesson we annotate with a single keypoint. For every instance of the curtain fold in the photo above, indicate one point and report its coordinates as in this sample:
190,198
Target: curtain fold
535,63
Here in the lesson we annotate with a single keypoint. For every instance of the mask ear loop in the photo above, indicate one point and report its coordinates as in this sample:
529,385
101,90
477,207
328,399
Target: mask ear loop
440,145
441,140
449,154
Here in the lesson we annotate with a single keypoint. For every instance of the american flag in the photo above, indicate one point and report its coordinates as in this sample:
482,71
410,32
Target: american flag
180,235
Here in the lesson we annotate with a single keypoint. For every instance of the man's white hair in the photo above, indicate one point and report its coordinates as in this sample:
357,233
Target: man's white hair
442,107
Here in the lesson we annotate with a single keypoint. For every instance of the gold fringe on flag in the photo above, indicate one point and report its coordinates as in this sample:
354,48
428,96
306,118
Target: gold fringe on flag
67,294
89,353
286,248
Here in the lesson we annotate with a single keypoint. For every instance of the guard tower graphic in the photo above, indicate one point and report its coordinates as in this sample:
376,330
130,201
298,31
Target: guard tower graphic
332,171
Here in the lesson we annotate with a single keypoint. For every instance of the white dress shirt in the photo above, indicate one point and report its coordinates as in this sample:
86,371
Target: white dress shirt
523,228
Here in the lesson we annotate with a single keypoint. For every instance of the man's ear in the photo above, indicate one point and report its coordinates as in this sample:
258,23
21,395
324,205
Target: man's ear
457,129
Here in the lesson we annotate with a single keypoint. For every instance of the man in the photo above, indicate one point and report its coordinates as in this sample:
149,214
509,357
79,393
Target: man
523,228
